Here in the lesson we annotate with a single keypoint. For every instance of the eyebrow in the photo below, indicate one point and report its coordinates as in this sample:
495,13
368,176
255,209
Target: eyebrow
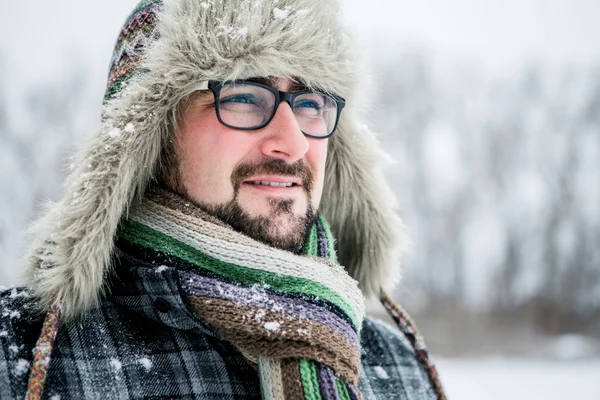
262,81
296,86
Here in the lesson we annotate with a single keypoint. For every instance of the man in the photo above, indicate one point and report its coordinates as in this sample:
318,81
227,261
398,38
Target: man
192,255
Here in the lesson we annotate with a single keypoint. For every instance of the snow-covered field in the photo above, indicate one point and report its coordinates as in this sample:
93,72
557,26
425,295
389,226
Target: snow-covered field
514,379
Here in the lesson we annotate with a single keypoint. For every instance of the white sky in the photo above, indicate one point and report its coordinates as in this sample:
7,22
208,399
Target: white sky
498,34
39,38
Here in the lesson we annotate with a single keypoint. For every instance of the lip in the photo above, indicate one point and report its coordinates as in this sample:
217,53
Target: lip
275,189
274,178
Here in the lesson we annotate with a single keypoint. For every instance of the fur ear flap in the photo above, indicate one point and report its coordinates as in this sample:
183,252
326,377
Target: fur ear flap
71,255
361,208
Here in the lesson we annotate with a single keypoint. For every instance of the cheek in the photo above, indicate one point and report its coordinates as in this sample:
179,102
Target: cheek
317,157
206,162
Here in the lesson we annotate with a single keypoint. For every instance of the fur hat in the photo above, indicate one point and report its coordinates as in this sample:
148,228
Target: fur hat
164,51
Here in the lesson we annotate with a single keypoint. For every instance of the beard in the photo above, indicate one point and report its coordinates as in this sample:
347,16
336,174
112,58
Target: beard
267,228
281,227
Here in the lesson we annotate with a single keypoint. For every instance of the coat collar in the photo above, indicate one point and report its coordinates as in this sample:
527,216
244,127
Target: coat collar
154,292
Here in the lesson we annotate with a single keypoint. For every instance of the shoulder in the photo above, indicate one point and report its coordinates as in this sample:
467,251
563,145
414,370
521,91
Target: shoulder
390,364
18,320
19,329
379,336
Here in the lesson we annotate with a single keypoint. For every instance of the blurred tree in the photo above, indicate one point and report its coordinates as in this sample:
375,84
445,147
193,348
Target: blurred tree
492,184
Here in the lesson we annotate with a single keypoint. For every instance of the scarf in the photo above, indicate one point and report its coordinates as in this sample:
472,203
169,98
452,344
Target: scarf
297,317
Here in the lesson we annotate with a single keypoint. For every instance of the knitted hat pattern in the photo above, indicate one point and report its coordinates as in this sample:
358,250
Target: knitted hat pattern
164,51
138,31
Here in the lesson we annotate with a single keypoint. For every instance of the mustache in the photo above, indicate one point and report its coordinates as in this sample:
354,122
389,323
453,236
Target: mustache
298,169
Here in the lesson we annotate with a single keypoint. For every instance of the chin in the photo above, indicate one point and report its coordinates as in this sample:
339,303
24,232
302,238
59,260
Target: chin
285,233
278,222
280,208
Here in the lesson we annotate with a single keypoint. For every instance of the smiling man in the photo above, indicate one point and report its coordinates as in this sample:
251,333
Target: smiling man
255,158
220,231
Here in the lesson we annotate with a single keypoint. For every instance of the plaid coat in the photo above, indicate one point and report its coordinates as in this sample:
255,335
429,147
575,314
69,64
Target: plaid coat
143,342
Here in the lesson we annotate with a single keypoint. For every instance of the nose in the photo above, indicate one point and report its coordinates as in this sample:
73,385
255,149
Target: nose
284,139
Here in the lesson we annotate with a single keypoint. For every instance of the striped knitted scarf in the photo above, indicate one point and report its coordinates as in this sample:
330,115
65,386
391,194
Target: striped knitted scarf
296,316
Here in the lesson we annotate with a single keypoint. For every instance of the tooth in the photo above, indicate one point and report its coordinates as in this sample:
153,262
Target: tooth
274,184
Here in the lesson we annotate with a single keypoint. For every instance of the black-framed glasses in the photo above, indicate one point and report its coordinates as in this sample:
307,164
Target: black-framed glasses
248,105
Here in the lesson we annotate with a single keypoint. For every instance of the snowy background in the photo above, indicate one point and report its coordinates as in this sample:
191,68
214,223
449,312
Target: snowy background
492,111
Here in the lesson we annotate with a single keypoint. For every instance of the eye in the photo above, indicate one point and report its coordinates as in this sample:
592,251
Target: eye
309,104
240,98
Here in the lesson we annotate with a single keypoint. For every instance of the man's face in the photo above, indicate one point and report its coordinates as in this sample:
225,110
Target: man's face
244,177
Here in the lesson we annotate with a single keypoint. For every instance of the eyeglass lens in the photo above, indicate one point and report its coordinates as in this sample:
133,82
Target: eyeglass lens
248,106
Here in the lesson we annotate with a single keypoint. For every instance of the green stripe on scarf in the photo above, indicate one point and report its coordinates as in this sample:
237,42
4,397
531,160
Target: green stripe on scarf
312,242
148,237
310,382
331,253
311,247
342,389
